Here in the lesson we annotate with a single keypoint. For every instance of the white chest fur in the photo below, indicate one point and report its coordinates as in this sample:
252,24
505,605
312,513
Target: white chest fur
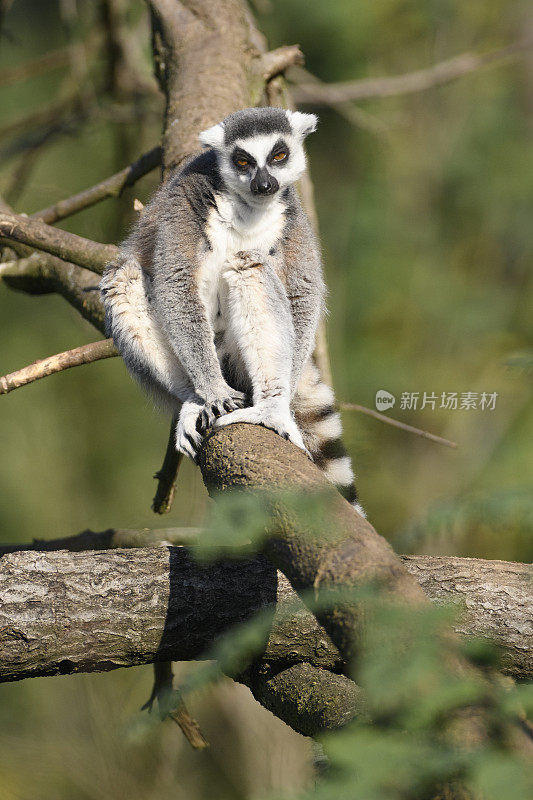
231,228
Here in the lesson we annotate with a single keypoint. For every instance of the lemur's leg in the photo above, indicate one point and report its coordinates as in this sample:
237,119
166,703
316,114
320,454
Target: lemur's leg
134,327
260,333
145,349
320,423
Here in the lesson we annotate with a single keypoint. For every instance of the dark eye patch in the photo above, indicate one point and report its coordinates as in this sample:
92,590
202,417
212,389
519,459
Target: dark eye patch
279,153
241,155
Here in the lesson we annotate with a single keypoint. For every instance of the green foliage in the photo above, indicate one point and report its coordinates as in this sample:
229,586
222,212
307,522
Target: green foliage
415,697
239,521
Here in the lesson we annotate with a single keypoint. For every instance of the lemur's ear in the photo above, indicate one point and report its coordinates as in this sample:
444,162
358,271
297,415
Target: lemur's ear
212,137
302,124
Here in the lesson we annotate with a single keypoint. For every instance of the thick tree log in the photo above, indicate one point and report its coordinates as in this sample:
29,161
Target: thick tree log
77,612
90,611
207,66
348,555
496,598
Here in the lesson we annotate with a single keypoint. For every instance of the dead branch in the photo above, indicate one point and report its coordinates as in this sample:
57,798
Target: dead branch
41,273
166,477
419,81
171,705
111,187
397,424
67,246
37,66
86,354
276,62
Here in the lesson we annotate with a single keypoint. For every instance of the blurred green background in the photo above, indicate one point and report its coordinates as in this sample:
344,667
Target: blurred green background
425,217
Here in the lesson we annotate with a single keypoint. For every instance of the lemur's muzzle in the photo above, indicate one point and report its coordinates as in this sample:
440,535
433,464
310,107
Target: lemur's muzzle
263,182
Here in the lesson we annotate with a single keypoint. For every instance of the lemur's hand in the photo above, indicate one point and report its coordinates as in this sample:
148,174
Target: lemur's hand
195,418
269,413
218,405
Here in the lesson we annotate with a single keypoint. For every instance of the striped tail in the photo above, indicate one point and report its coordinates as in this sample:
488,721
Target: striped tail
320,424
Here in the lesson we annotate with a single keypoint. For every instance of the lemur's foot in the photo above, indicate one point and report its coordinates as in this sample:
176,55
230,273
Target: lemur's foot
270,415
218,407
188,437
195,418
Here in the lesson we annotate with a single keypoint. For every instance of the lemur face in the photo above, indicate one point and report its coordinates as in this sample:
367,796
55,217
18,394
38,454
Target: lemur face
260,150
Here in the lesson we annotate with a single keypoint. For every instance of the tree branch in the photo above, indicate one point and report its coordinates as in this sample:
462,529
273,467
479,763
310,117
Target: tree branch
92,611
111,187
494,596
206,67
348,555
397,424
276,62
421,80
166,477
41,273
67,246
86,354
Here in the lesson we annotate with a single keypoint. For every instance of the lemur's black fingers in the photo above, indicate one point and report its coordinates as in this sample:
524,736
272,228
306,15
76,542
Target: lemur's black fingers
238,399
229,405
204,420
192,443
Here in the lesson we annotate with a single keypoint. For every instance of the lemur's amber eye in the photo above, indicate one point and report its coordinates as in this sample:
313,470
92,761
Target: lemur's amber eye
242,162
280,156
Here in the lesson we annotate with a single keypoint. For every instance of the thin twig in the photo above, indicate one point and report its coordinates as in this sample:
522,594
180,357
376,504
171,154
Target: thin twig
171,705
84,252
86,354
110,187
167,475
397,424
111,539
350,111
421,80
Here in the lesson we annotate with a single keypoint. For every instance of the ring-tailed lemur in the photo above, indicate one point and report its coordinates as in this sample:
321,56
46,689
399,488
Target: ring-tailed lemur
215,297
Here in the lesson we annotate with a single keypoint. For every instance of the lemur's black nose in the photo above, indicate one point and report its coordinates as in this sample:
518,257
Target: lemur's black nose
263,183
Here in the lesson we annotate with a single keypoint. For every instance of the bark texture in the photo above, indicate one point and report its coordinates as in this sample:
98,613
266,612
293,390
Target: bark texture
350,554
206,65
88,611
496,598
63,613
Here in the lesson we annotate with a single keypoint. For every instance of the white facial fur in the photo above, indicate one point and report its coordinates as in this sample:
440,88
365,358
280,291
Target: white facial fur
259,146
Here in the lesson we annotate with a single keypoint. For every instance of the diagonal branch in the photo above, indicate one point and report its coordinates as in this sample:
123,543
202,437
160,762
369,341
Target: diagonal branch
41,273
419,81
111,187
396,423
67,246
86,354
